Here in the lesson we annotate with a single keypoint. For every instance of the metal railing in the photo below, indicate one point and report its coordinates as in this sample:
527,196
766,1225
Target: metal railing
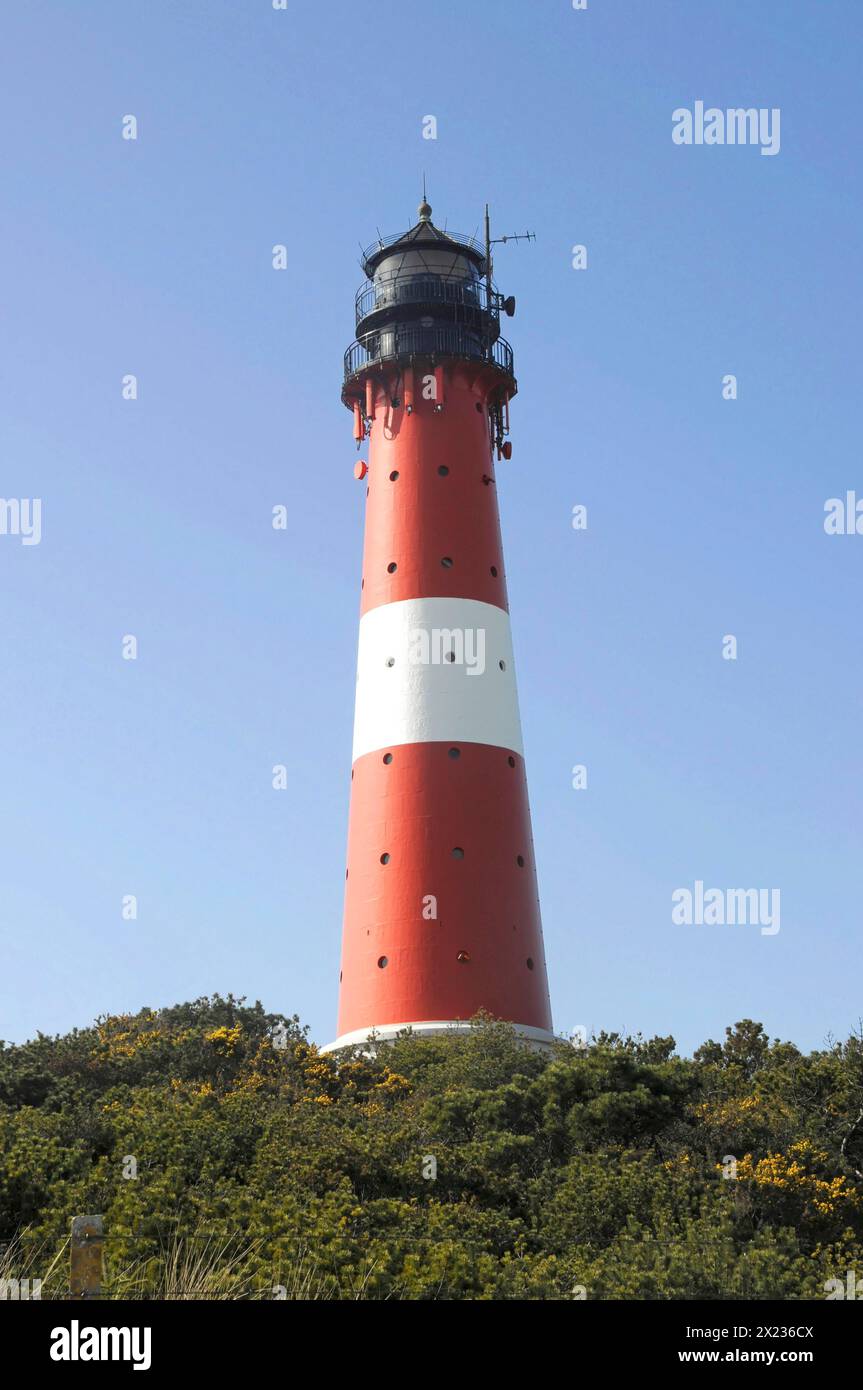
426,289
382,243
447,341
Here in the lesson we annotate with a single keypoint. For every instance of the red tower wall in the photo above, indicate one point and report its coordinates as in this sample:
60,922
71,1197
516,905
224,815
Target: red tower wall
441,907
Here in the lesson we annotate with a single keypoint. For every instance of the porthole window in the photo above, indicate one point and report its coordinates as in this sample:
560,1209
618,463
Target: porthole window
385,859
392,567
530,962
391,661
394,475
447,562
458,852
502,665
450,656
520,861
454,753
382,962
443,470
463,957
494,571
511,760
388,757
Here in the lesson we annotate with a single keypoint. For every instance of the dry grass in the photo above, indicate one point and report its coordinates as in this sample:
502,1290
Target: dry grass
203,1266
215,1268
22,1259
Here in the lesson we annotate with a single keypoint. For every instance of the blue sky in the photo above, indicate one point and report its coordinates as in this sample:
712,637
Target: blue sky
705,516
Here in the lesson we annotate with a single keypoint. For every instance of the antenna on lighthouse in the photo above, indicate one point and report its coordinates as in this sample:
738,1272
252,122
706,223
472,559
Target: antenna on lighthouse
508,305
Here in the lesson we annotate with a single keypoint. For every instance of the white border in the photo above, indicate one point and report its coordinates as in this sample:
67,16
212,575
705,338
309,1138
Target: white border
541,1037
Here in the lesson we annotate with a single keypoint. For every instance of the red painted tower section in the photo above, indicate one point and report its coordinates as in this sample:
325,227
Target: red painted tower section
441,906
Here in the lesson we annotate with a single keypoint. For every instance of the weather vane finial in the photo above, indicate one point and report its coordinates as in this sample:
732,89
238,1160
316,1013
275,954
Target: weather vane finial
424,208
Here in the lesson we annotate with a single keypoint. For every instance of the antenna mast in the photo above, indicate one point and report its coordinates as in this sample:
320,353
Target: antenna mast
489,243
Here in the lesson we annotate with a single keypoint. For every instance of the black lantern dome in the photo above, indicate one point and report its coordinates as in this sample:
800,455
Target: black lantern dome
425,296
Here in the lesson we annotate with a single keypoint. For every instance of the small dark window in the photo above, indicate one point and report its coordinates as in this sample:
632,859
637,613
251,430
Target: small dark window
502,665
458,852
511,760
447,562
530,962
454,753
463,957
382,962
388,757
494,571
394,475
392,567
519,861
443,470
385,859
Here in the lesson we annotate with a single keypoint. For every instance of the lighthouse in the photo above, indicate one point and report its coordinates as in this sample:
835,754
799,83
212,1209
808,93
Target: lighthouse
442,915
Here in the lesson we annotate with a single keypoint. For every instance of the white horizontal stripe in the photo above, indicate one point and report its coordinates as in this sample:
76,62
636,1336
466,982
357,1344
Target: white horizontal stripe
408,692
540,1037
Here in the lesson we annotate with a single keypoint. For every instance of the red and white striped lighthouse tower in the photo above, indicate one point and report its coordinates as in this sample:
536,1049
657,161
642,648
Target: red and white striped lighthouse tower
441,908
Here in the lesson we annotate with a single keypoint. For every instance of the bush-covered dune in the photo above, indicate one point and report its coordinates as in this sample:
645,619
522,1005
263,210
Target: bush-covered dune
229,1159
